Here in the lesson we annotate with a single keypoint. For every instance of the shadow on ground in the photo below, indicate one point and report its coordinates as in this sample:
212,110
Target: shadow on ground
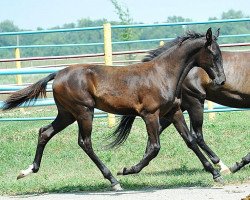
131,185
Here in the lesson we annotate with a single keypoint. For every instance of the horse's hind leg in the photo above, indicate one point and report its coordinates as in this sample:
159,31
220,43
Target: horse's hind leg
85,119
181,127
238,165
62,120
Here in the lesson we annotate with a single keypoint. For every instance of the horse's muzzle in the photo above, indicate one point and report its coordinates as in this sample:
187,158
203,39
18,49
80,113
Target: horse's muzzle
220,80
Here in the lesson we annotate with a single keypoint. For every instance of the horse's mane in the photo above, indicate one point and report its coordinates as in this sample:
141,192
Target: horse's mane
179,40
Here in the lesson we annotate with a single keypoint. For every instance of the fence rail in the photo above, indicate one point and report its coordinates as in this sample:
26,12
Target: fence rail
99,54
101,43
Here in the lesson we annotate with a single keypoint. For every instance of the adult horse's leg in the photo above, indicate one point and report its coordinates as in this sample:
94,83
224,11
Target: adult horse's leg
62,120
181,127
85,119
152,149
238,165
195,108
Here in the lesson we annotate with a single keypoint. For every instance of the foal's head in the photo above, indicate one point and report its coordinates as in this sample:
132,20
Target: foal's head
210,59
208,56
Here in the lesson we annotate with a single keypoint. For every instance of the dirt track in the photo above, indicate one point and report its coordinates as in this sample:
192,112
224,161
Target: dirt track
236,192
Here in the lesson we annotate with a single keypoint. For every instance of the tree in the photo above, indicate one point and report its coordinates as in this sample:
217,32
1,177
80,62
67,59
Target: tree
232,14
8,26
122,12
235,28
127,34
125,18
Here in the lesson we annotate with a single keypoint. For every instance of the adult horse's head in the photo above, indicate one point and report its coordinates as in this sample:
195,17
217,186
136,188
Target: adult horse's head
210,58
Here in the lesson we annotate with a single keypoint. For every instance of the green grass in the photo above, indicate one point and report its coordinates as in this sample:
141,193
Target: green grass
66,168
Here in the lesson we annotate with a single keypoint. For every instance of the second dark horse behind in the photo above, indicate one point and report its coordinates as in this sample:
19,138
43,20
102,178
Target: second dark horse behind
149,90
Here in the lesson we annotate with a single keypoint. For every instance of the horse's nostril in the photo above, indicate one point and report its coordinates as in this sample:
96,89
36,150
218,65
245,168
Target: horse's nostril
223,82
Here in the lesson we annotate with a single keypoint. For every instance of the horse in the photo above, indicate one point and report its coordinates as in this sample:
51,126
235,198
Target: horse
235,93
196,88
145,89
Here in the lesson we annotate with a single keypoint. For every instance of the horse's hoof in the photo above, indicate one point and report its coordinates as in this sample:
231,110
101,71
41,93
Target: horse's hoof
121,172
234,169
21,175
26,172
219,180
223,168
225,171
117,188
246,198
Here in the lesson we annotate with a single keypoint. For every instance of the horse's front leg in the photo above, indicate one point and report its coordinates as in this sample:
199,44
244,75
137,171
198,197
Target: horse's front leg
164,123
195,108
153,147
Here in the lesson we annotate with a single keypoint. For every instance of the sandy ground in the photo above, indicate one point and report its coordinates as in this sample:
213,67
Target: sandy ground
228,192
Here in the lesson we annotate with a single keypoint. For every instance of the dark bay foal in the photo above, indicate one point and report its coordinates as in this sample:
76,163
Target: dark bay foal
147,90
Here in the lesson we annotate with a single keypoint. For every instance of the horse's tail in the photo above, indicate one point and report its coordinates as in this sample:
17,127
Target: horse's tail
29,93
122,131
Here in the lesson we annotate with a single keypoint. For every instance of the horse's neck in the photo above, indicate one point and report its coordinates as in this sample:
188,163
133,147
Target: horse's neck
185,57
182,77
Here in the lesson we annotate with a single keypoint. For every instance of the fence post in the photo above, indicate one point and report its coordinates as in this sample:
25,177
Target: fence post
108,60
18,66
210,106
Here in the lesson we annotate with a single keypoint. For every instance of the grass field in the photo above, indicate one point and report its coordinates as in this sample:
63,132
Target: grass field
66,168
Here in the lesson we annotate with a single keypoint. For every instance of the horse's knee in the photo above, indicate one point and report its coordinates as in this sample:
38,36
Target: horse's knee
44,135
191,143
85,145
43,139
81,143
199,139
156,149
44,128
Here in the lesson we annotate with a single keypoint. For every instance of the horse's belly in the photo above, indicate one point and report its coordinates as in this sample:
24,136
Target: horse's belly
116,105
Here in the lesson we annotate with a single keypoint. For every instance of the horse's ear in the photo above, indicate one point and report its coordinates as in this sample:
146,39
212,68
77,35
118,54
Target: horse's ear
209,37
217,33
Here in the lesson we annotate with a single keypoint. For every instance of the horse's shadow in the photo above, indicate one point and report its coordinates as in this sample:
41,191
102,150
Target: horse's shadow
130,186
176,172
